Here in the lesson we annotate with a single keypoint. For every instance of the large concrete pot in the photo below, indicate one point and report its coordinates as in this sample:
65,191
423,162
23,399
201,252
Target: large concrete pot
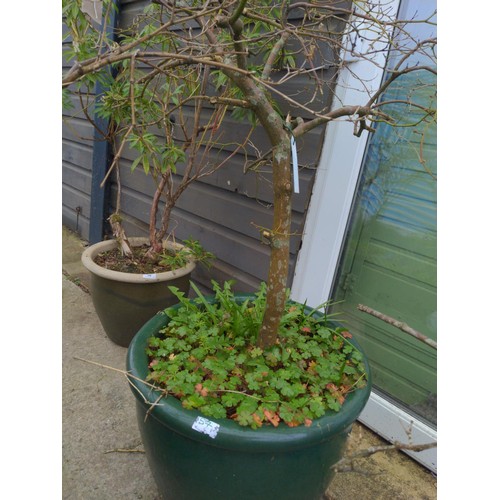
195,458
125,301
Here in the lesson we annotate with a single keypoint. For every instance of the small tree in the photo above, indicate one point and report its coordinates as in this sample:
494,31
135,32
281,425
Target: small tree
236,55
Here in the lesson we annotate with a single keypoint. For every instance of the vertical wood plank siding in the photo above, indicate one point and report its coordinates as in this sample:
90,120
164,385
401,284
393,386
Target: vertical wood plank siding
223,211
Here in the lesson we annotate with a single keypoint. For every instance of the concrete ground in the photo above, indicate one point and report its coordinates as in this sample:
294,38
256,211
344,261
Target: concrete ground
102,452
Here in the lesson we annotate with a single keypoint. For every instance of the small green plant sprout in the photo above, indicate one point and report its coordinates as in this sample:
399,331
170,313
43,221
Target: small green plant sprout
193,251
208,358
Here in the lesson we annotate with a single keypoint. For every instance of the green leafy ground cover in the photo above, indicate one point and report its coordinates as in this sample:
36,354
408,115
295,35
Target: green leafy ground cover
207,358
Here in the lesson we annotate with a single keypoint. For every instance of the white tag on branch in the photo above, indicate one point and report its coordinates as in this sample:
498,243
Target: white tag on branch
206,426
149,276
295,164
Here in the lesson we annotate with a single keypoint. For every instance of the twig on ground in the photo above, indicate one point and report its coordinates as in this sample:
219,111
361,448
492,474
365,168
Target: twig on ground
124,450
347,463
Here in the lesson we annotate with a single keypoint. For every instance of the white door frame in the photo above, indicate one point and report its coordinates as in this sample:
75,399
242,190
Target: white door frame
326,225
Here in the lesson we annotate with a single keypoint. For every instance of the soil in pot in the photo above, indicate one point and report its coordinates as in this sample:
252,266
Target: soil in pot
139,262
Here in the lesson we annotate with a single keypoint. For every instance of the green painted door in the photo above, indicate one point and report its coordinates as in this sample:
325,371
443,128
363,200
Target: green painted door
389,258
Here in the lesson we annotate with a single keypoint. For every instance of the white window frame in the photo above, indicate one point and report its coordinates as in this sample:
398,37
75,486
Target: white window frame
326,225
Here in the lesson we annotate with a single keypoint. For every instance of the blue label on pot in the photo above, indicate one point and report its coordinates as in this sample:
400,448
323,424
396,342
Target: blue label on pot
206,426
149,276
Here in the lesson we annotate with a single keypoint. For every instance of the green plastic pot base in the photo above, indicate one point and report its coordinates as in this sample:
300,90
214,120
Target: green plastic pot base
222,460
186,469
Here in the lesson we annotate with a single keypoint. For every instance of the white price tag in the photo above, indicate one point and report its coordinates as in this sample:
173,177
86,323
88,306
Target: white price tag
206,426
149,276
295,163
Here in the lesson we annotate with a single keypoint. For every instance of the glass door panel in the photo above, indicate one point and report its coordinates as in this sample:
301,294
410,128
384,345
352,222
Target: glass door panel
389,257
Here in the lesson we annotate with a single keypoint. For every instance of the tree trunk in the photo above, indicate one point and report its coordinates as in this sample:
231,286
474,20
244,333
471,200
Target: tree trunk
274,125
154,240
279,238
280,245
119,234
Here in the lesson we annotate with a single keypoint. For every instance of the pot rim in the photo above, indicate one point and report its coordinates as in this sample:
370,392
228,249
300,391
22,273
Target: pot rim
92,251
230,435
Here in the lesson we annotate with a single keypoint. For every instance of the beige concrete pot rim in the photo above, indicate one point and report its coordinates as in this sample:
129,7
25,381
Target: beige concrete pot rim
92,251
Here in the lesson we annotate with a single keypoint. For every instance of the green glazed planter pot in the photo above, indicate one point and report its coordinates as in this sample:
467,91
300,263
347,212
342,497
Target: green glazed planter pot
196,458
125,301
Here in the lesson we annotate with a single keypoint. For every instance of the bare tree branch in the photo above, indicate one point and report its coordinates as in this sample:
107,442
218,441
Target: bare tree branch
398,324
